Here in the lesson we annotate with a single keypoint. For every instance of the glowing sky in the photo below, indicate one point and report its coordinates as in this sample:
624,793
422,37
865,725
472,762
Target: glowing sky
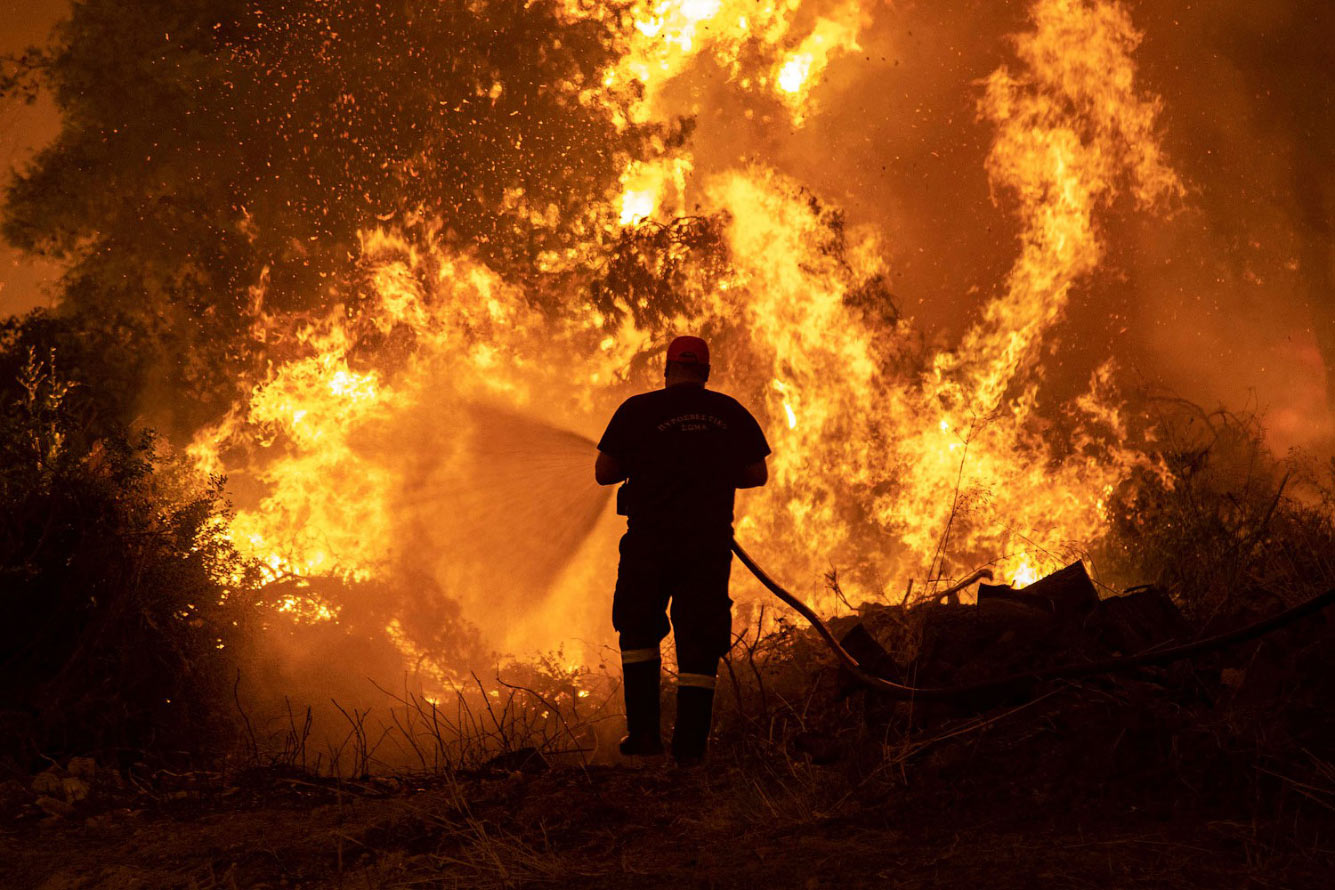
24,129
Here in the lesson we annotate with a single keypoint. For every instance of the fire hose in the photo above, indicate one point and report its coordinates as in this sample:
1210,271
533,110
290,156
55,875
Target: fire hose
1022,683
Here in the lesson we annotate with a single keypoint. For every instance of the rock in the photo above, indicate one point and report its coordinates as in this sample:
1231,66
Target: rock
878,708
1066,593
75,789
47,784
53,807
82,767
866,651
1137,621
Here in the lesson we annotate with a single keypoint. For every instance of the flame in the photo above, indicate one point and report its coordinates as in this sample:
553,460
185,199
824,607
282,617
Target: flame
748,40
328,500
891,463
793,73
830,36
653,188
637,205
1024,574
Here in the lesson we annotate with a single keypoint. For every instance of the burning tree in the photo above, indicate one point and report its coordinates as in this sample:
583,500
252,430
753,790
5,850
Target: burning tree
209,147
469,161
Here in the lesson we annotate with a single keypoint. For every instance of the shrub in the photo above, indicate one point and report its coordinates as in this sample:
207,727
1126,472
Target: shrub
1225,526
124,603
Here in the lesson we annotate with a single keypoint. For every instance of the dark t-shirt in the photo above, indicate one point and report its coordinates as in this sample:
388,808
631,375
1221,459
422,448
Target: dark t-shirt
682,449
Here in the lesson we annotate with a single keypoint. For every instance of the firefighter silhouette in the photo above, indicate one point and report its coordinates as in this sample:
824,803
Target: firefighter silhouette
680,452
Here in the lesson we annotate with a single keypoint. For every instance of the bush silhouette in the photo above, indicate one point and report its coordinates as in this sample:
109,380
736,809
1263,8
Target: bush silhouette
124,603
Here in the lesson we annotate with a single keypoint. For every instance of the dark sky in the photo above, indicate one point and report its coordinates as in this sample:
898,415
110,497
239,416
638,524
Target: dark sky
23,129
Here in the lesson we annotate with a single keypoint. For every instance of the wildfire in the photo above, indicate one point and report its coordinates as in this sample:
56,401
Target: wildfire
1024,573
653,189
796,71
890,464
750,41
793,73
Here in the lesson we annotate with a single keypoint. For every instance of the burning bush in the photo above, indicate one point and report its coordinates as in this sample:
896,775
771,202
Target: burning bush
1223,524
118,633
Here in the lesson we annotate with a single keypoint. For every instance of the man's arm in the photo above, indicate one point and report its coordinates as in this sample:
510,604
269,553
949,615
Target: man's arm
607,470
753,475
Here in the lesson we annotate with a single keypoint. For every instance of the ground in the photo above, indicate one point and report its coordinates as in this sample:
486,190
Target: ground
732,824
1213,772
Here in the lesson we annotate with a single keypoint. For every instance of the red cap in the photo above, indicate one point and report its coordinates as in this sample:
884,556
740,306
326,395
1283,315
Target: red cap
689,351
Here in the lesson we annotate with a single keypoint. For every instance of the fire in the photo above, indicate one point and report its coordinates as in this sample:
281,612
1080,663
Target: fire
668,37
890,462
653,189
1024,574
794,73
637,206
831,36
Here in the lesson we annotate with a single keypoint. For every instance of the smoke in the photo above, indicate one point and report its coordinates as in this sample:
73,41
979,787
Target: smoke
1237,295
490,557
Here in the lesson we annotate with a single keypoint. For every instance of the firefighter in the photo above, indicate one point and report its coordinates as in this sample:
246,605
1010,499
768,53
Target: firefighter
681,451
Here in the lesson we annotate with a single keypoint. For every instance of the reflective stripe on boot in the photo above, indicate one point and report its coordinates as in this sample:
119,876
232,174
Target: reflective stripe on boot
640,685
695,708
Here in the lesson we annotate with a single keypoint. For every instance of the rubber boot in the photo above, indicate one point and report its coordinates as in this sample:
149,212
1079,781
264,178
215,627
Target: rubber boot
639,681
690,734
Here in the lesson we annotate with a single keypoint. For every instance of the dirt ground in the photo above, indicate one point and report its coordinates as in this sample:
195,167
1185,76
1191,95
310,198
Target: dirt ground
1218,773
728,825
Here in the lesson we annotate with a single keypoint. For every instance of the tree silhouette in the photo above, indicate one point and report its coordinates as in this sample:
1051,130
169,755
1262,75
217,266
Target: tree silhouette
209,144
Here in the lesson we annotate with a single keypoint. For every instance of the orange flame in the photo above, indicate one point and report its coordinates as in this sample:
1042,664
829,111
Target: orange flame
670,37
894,466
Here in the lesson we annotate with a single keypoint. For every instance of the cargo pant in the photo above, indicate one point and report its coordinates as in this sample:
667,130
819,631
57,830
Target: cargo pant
686,576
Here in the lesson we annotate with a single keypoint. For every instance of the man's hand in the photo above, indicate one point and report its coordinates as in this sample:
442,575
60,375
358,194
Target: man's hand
608,470
753,475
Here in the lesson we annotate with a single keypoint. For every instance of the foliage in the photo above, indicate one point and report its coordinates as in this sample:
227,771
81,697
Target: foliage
657,271
209,147
118,633
1224,525
99,357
